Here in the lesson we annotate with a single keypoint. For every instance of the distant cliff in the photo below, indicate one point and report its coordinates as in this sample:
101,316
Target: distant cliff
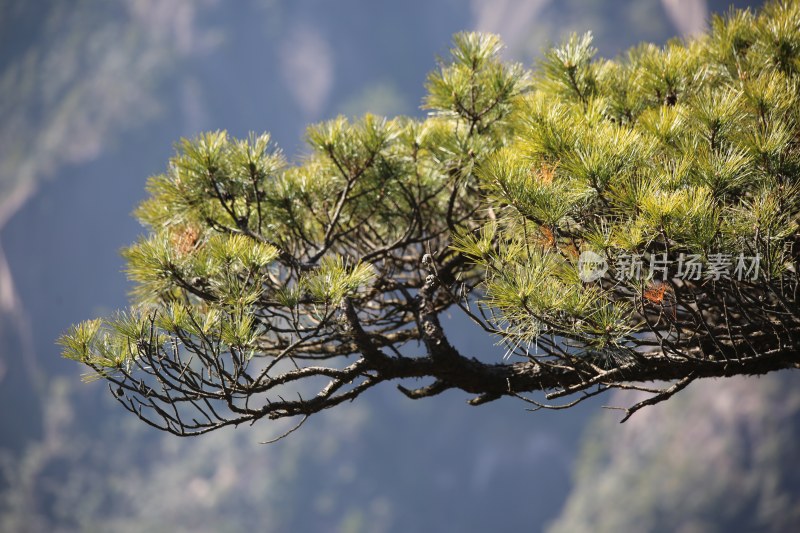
723,456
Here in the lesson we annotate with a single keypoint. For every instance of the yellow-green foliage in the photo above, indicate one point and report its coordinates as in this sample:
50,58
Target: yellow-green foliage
687,148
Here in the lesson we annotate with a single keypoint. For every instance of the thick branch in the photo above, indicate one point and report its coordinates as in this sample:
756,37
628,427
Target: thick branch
499,380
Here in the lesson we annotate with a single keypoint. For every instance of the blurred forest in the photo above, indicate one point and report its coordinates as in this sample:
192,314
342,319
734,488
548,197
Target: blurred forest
92,97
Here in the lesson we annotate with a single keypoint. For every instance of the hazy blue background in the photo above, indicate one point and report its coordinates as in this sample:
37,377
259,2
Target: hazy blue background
93,94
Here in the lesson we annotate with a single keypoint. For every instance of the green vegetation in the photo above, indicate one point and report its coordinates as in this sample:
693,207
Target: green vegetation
272,290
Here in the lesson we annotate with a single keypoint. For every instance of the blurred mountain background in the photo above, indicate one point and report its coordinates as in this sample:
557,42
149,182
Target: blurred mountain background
93,95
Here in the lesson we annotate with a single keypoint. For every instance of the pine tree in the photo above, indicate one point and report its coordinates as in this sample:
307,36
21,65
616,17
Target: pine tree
614,224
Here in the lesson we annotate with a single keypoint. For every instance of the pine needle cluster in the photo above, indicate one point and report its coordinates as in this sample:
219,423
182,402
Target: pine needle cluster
610,222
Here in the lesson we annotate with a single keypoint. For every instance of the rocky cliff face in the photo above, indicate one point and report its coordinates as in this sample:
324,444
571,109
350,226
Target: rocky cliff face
721,456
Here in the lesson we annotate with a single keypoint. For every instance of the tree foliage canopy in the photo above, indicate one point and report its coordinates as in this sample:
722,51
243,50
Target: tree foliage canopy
612,223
